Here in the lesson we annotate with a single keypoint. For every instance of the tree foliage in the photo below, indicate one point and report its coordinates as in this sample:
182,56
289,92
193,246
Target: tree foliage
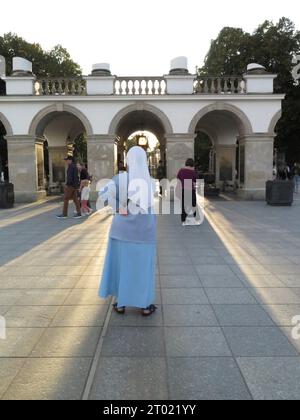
227,54
54,63
288,128
272,45
80,149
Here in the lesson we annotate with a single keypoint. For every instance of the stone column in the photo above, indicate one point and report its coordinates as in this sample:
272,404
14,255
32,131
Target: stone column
180,147
22,161
101,158
257,153
225,163
22,81
100,82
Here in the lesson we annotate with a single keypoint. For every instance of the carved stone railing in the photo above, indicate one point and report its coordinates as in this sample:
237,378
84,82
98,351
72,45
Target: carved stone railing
133,86
140,86
60,87
220,85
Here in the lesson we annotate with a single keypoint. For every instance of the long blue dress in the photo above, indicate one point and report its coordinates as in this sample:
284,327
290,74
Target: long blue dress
129,269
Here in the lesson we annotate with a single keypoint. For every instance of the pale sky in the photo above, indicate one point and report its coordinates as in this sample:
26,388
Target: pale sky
137,37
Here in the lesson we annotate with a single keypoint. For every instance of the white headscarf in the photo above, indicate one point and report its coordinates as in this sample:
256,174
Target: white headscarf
141,189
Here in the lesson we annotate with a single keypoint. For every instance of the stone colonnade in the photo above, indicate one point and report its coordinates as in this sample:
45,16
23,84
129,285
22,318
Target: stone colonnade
255,159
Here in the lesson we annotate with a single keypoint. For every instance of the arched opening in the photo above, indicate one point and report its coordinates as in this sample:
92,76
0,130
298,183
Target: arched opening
58,134
150,143
143,128
4,171
218,131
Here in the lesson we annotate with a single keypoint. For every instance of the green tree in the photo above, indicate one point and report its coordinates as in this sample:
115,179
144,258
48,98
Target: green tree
228,53
288,128
61,64
272,45
80,148
54,63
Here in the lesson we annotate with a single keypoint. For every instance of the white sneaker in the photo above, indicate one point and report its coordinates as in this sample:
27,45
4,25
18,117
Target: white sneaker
184,224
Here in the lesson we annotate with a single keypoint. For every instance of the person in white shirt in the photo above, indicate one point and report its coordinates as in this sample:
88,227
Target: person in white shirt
85,196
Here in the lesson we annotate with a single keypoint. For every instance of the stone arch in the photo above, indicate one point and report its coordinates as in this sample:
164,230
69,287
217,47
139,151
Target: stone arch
140,107
7,125
274,122
59,107
244,124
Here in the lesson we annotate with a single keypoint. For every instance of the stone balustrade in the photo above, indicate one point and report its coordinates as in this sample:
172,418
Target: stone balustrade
133,86
140,86
220,85
60,87
101,82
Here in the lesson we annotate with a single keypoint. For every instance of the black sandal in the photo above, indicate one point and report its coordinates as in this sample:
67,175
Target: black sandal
149,311
120,311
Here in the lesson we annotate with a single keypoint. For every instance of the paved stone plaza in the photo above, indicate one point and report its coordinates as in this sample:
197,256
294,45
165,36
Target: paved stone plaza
227,292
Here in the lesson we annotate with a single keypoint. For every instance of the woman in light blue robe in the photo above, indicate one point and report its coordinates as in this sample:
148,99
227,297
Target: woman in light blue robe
130,265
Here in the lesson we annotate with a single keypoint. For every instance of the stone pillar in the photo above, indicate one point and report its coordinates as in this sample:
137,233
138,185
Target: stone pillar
180,147
180,81
100,82
101,159
22,161
256,162
225,163
258,80
22,80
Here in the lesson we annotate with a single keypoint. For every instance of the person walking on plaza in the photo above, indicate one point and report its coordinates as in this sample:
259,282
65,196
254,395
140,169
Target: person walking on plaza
83,176
129,270
296,176
71,189
186,191
85,196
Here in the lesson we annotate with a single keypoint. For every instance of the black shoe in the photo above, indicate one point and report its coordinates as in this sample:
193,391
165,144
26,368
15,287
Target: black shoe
78,216
149,311
120,311
62,216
